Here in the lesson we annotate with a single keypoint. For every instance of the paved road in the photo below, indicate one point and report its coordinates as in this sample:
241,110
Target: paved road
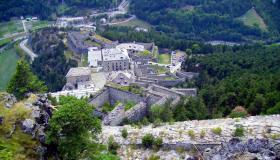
31,54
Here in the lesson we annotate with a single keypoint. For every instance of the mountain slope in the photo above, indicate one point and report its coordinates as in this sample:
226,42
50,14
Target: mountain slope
47,8
209,19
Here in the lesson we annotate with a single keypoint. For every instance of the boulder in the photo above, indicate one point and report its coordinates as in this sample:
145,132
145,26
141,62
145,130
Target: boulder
28,126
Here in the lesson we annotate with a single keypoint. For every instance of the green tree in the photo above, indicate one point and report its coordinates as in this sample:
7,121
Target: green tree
258,105
274,110
72,128
24,81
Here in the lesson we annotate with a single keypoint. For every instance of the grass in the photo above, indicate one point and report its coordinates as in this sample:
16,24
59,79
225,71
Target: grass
39,24
159,69
84,61
10,27
8,60
135,23
164,58
252,18
4,42
102,39
92,43
129,105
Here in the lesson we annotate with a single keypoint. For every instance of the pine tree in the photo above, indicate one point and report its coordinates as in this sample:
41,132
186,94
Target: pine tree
24,81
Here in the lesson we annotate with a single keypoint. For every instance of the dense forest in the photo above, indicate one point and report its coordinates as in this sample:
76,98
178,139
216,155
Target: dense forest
46,8
161,39
51,66
247,76
207,19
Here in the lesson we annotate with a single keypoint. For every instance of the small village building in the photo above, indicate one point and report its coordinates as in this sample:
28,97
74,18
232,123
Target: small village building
108,59
114,60
77,77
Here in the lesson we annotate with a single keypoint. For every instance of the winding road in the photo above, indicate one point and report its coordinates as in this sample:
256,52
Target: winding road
31,54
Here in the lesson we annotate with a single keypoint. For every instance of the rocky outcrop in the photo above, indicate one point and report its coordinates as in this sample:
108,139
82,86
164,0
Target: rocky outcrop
234,148
8,99
257,142
28,126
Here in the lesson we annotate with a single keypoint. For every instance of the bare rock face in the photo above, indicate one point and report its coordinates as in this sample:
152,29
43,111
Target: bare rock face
8,99
252,149
28,126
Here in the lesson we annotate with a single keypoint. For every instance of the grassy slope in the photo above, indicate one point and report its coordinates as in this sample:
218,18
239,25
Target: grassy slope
252,18
135,23
20,146
8,61
10,27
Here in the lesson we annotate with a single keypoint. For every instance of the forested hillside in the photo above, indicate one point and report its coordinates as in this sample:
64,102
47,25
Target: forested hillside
208,19
247,76
51,65
46,8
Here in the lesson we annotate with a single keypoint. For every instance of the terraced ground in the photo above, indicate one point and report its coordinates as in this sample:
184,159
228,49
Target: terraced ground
252,18
8,60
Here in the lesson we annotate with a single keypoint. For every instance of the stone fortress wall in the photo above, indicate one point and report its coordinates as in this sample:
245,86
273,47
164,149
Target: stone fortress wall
153,95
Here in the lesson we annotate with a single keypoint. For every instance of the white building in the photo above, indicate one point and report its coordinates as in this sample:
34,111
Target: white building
108,59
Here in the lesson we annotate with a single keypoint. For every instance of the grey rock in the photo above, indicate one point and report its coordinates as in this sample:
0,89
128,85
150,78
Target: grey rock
235,145
28,126
41,150
41,135
9,100
257,145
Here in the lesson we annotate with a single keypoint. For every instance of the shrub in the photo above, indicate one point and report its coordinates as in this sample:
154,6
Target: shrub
124,133
191,134
217,131
202,133
275,136
112,145
157,123
239,132
158,142
148,140
238,112
154,157
145,121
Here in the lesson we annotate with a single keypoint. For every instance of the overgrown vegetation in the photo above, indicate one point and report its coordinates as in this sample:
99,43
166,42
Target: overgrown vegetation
72,129
15,145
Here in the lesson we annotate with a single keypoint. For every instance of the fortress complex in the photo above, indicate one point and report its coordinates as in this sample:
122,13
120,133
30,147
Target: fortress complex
117,58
